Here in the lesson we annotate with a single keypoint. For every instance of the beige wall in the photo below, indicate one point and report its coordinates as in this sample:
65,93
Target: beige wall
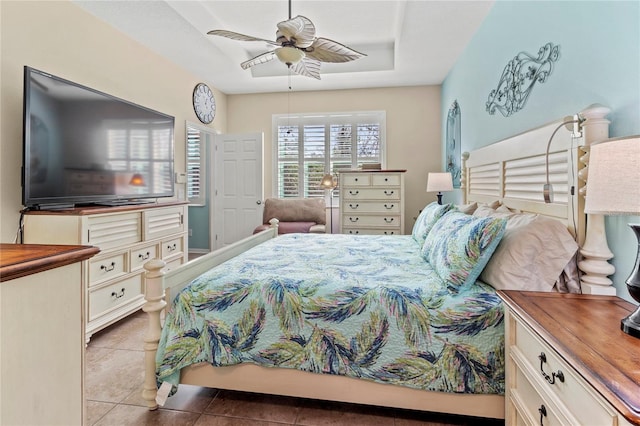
61,38
413,128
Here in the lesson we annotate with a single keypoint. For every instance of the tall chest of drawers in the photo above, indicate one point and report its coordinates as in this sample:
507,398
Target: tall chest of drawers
568,362
127,237
372,202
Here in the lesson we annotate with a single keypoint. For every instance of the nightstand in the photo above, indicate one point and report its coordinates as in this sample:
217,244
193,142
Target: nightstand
568,362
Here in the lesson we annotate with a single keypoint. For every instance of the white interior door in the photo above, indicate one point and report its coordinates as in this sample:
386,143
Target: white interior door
238,186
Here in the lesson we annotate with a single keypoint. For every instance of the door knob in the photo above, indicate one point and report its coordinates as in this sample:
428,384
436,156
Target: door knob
259,202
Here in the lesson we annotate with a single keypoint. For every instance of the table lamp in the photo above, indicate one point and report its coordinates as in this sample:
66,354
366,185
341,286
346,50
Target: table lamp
328,182
438,182
613,188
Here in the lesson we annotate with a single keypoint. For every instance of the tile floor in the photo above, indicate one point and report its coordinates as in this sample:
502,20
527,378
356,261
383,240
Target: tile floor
114,381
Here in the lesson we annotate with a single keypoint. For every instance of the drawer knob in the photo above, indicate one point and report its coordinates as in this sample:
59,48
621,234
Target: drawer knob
388,206
108,268
388,220
354,206
550,378
354,219
388,192
354,192
172,247
543,413
118,295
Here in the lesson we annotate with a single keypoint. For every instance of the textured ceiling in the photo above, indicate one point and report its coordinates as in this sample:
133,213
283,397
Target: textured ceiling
406,42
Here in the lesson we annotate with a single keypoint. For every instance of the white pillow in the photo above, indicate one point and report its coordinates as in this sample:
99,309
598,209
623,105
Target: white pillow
531,255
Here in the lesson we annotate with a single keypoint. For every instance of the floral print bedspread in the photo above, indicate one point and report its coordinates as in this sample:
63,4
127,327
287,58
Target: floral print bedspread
362,306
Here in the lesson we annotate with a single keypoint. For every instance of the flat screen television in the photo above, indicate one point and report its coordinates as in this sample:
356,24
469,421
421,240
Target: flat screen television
82,146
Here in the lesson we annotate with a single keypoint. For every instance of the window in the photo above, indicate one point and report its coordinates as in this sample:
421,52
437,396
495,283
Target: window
196,166
306,147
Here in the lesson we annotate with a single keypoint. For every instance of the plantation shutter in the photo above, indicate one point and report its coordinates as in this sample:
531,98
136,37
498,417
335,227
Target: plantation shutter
308,147
195,161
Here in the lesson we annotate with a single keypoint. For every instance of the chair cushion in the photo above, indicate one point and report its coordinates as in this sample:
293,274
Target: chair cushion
295,210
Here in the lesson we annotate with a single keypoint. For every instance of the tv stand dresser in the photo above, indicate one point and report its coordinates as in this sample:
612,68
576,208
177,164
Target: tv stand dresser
127,236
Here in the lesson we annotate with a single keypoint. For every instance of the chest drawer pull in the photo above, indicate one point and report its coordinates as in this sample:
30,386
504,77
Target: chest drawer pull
144,256
108,268
119,294
543,413
388,206
388,220
353,192
354,219
354,232
389,233
550,378
388,192
172,247
354,206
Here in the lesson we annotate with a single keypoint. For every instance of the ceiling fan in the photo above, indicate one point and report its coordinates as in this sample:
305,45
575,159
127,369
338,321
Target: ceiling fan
297,47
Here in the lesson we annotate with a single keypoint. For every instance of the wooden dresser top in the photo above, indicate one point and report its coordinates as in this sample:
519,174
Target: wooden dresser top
585,331
19,260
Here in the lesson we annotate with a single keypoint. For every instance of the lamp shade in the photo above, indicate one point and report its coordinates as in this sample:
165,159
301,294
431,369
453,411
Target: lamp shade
438,182
327,182
613,181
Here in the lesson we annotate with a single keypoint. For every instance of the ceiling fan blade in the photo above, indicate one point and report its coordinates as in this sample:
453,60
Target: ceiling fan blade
260,59
308,68
300,30
241,37
325,50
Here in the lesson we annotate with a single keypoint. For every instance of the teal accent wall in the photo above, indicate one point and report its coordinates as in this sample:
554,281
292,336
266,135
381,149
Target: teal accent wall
599,63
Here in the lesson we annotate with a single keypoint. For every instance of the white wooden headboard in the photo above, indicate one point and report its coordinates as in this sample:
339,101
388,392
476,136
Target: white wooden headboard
513,171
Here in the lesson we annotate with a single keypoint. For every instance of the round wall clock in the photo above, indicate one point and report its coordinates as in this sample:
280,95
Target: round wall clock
204,104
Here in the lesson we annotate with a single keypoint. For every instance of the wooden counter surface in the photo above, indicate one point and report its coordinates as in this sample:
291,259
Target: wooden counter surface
19,260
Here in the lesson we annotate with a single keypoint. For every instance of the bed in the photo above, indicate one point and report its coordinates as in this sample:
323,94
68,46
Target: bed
381,320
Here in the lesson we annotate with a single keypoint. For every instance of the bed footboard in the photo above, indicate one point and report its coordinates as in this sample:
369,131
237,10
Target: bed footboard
160,285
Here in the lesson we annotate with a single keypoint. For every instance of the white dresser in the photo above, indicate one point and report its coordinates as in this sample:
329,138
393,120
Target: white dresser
372,202
127,236
568,362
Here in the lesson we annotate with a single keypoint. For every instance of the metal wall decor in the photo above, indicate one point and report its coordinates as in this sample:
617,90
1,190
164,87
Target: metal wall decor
453,143
518,79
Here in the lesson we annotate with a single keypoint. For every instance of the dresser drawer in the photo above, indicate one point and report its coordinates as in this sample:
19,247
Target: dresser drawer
386,179
172,246
114,295
163,221
355,207
355,179
388,194
107,267
141,255
114,230
388,221
530,407
567,386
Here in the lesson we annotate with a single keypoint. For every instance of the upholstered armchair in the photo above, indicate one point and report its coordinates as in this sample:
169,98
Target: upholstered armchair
295,215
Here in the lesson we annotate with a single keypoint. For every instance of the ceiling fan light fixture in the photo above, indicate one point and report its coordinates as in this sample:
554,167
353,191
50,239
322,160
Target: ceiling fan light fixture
289,55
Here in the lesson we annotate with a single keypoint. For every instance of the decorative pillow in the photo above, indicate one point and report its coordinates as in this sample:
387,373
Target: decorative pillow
467,208
532,254
459,246
426,219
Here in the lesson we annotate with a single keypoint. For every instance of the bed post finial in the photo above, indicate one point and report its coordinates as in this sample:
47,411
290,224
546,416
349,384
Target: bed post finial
595,251
463,177
153,306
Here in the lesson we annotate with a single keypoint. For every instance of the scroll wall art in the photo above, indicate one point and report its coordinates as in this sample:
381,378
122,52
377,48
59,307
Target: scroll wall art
519,78
453,143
